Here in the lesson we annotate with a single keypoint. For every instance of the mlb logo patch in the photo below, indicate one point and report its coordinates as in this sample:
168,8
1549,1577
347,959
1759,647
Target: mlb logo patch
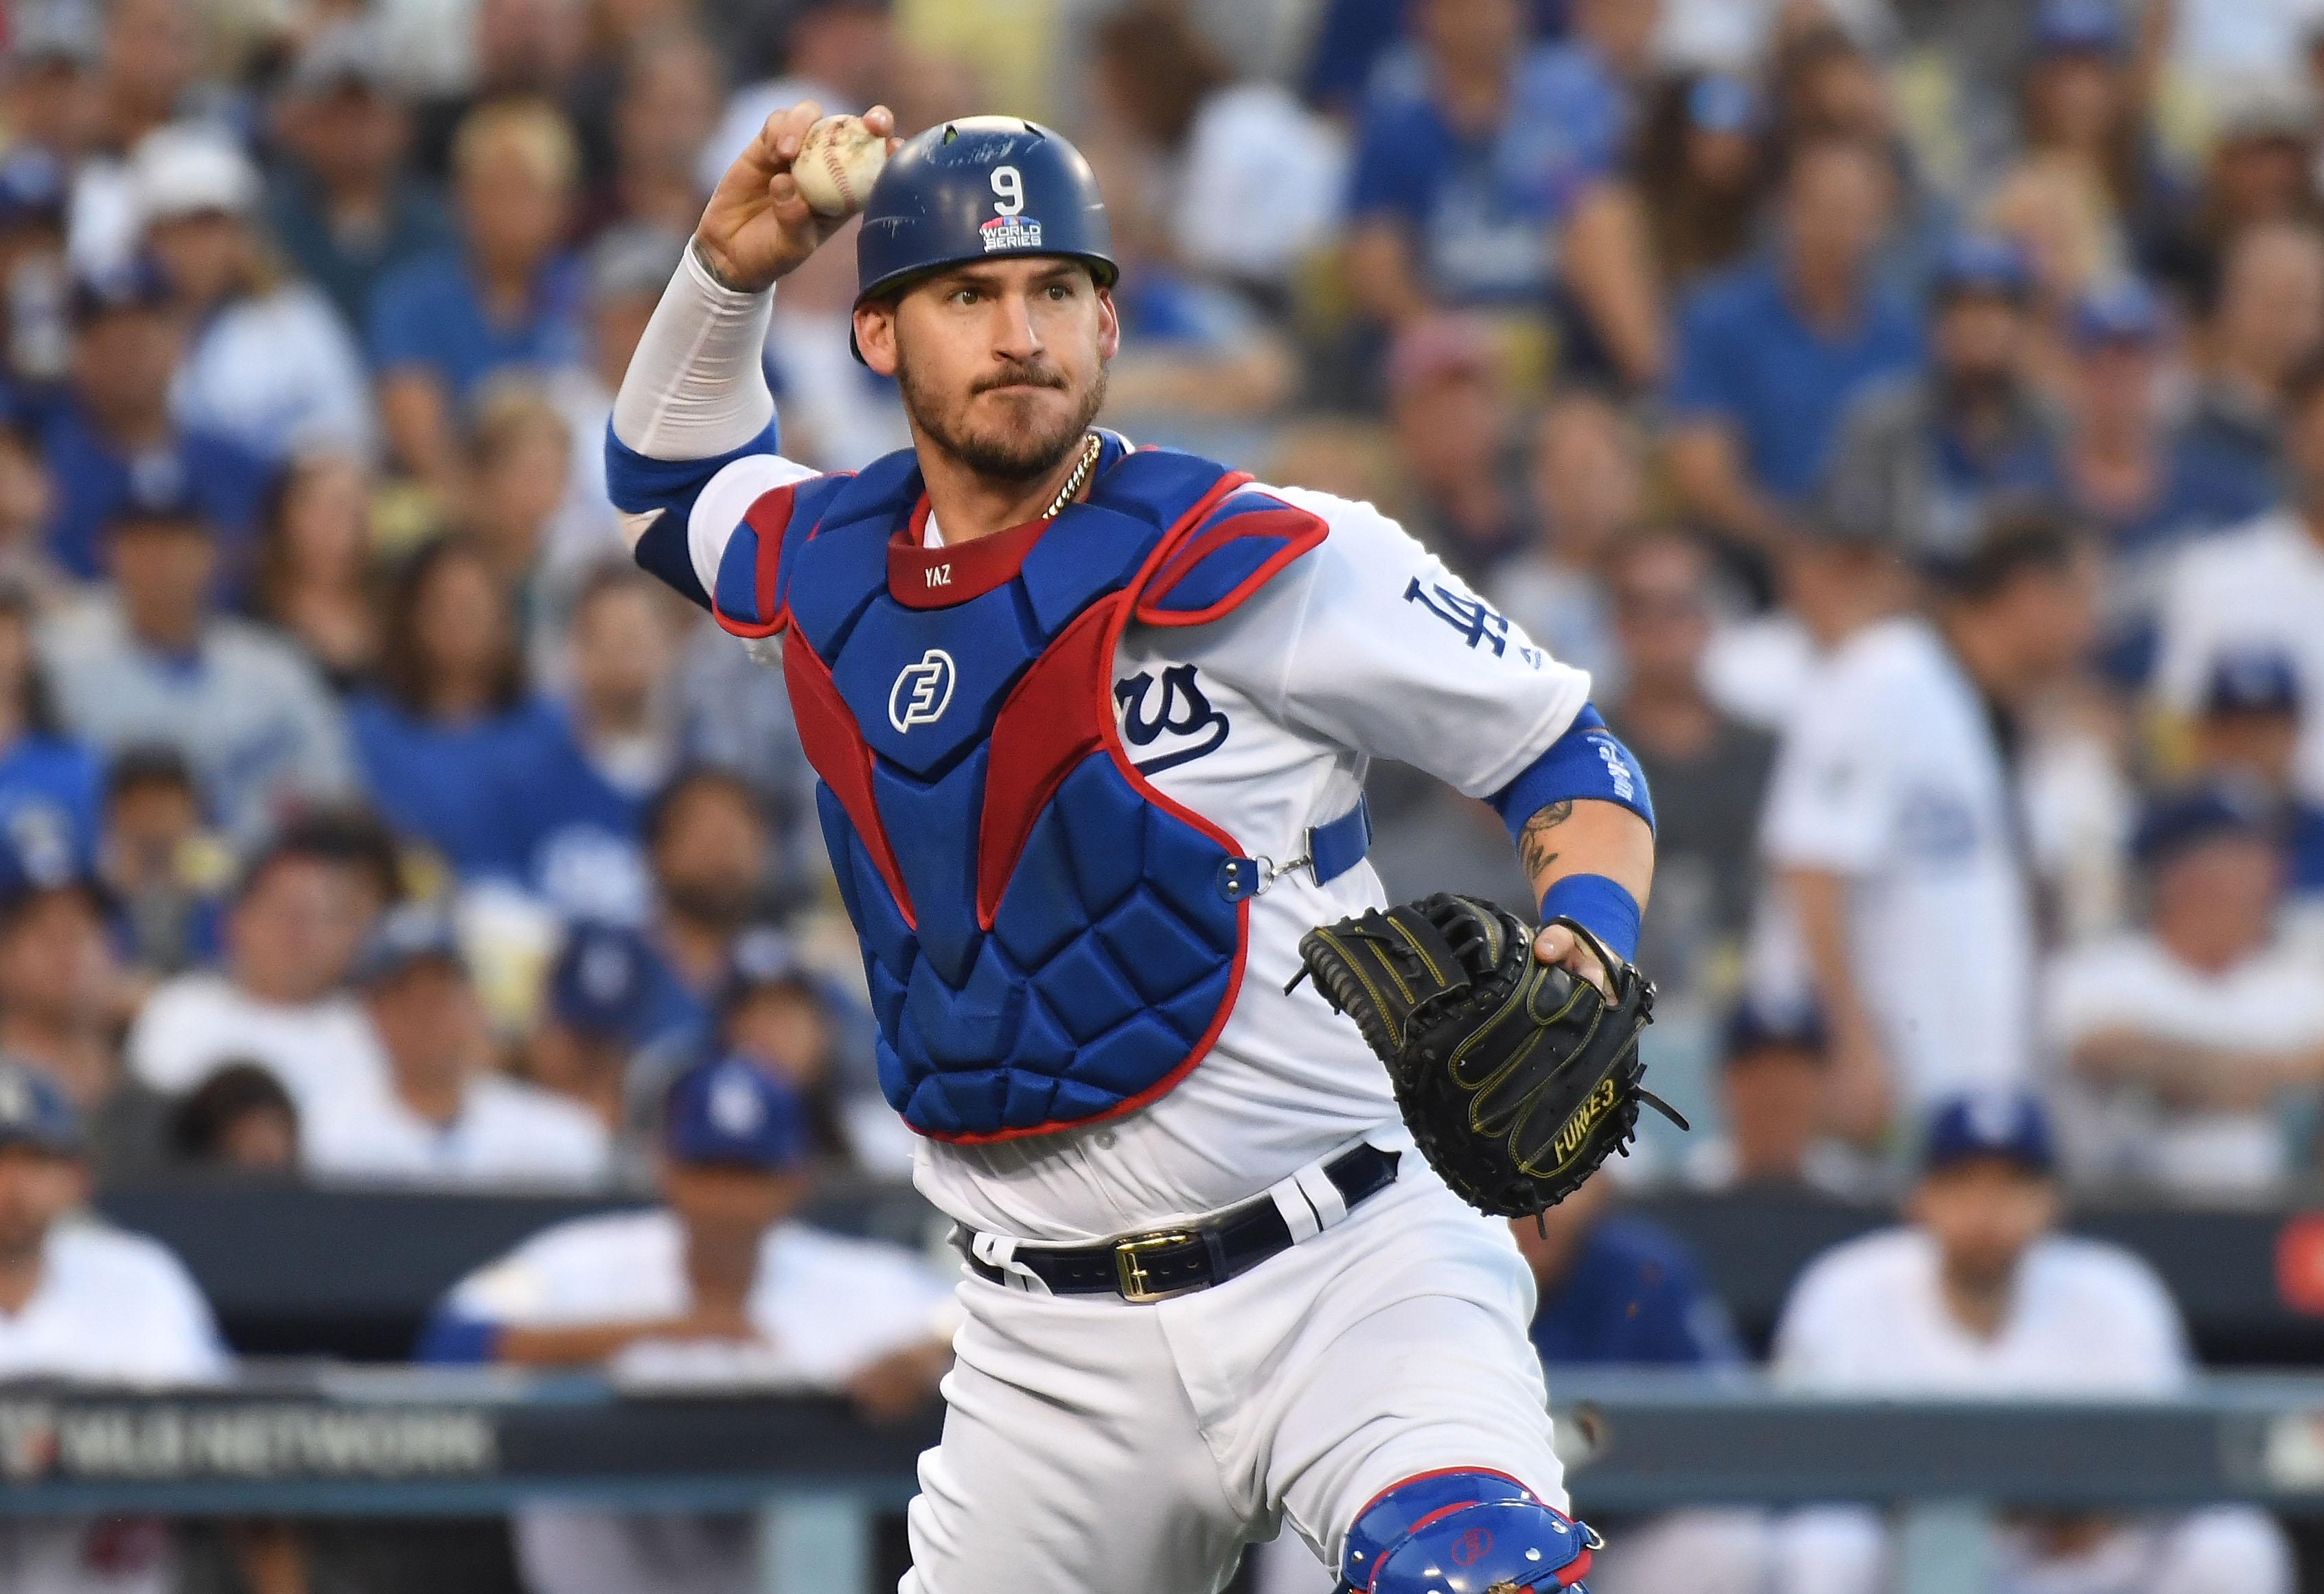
1011,232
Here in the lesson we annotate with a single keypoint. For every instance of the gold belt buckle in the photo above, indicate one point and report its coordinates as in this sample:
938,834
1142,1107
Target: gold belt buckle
1131,1273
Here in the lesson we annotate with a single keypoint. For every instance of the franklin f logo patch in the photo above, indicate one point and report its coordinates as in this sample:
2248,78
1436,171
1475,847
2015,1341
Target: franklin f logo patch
922,692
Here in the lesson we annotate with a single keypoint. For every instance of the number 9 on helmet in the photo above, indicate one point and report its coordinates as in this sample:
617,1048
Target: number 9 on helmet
980,187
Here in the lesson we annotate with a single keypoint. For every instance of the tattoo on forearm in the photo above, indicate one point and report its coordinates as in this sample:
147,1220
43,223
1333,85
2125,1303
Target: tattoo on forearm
1532,841
710,268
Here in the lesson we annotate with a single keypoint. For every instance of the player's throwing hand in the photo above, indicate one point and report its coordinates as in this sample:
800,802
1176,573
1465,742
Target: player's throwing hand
757,228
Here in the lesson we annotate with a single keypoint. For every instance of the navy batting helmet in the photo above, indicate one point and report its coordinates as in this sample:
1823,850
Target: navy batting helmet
976,189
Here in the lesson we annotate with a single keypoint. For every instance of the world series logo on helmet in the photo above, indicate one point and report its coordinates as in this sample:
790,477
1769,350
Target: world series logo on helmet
1011,232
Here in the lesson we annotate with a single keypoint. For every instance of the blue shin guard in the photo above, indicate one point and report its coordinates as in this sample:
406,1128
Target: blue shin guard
1463,1533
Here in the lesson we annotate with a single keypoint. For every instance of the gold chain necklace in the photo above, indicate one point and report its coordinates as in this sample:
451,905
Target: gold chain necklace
1073,483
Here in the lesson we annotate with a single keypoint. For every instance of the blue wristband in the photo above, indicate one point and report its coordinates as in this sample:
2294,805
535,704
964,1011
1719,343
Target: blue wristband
1600,906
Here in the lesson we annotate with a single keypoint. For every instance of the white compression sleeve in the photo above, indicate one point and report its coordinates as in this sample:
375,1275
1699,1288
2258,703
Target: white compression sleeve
696,388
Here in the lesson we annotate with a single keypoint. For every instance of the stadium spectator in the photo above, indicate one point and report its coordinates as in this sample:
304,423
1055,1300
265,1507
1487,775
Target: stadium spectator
508,297
722,1280
776,1012
2267,320
1773,1068
2256,175
1485,175
575,783
518,466
514,51
1978,1296
1200,368
2259,588
842,54
298,915
1769,355
48,91
26,497
164,872
733,714
629,266
35,327
147,78
63,997
88,1304
1708,771
442,1116
667,102
435,737
2249,734
2085,103
156,665
311,571
2131,475
48,782
1449,417
1206,148
268,361
340,201
111,440
593,1023
2198,1037
1588,482
238,1121
1619,1290
1622,1291
1925,459
708,846
1892,824
1702,175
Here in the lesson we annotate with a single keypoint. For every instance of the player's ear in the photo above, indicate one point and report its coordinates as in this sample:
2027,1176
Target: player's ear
875,335
1109,326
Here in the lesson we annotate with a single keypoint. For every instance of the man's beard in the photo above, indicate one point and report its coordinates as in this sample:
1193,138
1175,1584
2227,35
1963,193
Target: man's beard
1010,455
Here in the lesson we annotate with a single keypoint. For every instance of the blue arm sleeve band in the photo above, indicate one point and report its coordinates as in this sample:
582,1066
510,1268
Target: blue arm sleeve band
454,1338
1602,907
638,485
1588,761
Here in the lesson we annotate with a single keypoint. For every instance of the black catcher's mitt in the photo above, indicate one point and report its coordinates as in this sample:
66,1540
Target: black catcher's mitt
1516,1079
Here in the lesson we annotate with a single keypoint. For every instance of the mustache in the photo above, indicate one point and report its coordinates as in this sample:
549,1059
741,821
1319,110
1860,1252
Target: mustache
1023,374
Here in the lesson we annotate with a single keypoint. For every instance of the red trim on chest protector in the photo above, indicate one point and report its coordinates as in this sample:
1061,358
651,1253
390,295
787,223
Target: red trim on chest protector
938,577
1299,530
828,735
1057,713
769,518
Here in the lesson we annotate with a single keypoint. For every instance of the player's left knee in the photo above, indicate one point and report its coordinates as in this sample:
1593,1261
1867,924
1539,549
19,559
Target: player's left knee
1463,1533
2228,1550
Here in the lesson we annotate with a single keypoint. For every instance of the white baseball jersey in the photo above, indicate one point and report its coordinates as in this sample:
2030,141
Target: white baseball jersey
829,1307
1890,776
2272,1001
111,1308
2085,1318
1264,724
507,1132
197,1022
2257,589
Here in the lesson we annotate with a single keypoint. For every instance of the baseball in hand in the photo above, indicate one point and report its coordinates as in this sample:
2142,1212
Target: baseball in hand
838,161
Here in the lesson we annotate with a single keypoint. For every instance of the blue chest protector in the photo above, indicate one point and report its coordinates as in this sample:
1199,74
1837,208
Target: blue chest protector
1049,940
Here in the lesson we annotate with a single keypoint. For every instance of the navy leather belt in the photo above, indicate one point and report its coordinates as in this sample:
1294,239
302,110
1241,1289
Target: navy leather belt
1171,1262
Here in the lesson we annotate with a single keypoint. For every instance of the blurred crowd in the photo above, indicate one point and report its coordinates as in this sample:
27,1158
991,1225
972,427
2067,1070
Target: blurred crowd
1911,411
1912,414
